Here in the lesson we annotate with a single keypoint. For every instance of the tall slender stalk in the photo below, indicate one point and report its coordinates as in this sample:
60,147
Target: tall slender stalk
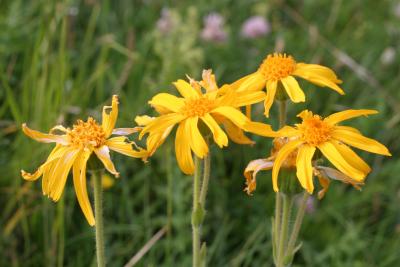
98,210
196,214
298,222
287,209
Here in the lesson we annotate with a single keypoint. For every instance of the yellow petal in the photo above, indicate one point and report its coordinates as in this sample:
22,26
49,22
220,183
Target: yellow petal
293,89
287,131
219,136
44,138
236,134
79,177
246,98
143,120
253,82
182,150
161,123
234,115
359,141
304,167
305,114
110,115
167,101
271,91
103,153
318,75
352,158
56,153
186,90
154,140
60,174
235,85
197,143
259,128
280,158
348,114
330,151
122,145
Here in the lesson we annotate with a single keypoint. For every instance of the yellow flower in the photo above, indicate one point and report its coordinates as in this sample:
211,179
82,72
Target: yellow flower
278,69
209,107
324,174
73,149
331,139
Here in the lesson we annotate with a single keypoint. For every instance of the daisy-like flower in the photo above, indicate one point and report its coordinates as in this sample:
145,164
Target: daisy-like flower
280,70
324,174
74,148
202,105
332,140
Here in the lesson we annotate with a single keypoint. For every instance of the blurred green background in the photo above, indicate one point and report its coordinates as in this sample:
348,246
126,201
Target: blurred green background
60,61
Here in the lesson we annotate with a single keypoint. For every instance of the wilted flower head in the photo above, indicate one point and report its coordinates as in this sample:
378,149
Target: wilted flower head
255,27
214,28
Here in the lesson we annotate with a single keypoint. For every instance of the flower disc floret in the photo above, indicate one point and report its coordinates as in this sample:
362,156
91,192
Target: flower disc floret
86,134
277,66
314,131
197,107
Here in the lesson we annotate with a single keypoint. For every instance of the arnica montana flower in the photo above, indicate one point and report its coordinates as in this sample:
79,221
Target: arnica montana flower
73,149
279,70
209,107
332,140
324,174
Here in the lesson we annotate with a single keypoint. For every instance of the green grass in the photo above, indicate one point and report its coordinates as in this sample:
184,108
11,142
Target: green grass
63,61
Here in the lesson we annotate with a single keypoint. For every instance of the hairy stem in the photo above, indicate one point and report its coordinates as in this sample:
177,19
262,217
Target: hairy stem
98,210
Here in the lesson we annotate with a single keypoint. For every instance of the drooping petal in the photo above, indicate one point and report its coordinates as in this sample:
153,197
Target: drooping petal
55,154
253,82
304,167
186,90
103,153
235,133
352,158
280,158
269,99
330,151
182,150
197,143
319,75
79,177
122,145
58,128
337,175
161,123
60,174
324,182
167,101
293,89
218,134
234,115
359,141
126,131
348,114
259,128
154,140
235,85
251,171
110,115
44,138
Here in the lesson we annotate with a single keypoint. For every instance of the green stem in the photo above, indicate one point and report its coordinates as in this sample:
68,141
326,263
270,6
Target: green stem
277,223
195,214
98,210
206,178
287,206
298,222
282,113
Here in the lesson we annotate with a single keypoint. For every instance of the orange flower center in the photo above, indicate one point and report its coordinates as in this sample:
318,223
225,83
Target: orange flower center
277,66
86,134
197,107
315,131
